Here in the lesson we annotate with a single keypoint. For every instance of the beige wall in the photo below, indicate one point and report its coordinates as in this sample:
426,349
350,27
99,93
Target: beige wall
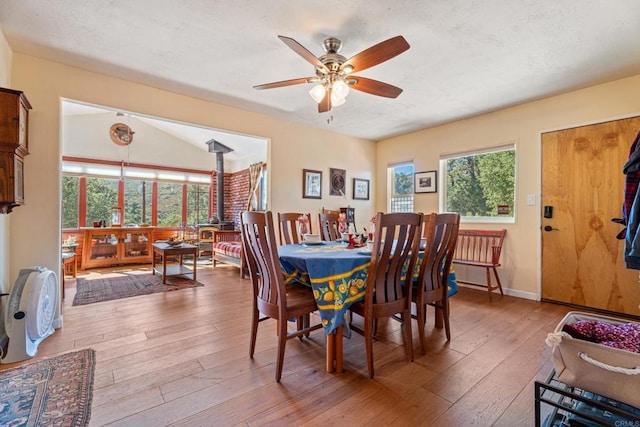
35,227
5,80
523,125
293,147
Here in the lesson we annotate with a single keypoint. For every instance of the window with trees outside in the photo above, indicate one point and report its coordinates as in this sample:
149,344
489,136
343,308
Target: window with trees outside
197,204
401,187
70,194
102,195
137,201
481,185
169,204
100,185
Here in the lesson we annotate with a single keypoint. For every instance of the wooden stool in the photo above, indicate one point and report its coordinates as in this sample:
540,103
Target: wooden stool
68,258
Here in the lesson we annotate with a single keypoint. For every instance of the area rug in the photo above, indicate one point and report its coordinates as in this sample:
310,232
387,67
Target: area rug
49,392
125,286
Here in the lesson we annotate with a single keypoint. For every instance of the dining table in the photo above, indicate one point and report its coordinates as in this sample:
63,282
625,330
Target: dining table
337,274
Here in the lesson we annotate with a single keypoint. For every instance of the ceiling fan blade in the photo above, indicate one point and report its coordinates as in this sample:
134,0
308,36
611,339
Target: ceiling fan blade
325,104
302,51
286,83
374,87
377,54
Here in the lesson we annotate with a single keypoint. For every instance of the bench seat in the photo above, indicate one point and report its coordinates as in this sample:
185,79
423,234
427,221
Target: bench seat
480,248
226,247
229,249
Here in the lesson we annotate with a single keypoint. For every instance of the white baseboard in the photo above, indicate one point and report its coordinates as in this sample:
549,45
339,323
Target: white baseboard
507,291
520,294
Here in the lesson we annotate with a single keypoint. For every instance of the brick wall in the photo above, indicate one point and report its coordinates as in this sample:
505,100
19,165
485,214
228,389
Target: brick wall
238,195
236,192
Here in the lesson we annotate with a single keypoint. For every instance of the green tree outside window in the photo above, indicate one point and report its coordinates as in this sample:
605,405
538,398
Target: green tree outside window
477,184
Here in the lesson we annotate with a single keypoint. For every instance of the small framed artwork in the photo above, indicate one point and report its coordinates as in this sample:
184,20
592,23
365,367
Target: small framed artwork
338,178
425,182
360,189
116,216
311,184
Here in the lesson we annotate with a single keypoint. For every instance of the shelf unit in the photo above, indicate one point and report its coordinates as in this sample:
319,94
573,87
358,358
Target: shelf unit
562,405
104,247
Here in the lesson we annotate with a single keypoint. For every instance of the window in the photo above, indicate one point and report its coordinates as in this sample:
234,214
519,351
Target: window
137,201
401,187
101,182
169,204
102,195
70,194
197,204
481,184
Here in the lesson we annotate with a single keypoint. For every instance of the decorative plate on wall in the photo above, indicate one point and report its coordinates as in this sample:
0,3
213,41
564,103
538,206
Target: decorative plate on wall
121,134
338,178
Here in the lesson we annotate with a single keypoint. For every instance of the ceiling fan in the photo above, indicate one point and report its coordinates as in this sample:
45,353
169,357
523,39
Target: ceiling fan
333,71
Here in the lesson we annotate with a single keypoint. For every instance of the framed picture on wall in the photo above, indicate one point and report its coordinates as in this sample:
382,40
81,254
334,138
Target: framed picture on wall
360,189
338,178
425,182
311,184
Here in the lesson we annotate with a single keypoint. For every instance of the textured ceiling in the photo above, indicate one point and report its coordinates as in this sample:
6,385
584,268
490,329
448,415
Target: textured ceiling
466,57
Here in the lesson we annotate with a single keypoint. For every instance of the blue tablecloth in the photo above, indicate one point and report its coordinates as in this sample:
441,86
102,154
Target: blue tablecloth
336,274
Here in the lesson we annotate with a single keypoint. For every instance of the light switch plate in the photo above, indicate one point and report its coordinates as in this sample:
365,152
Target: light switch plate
531,199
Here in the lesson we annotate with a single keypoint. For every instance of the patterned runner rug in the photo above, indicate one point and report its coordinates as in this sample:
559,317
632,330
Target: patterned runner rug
55,391
126,285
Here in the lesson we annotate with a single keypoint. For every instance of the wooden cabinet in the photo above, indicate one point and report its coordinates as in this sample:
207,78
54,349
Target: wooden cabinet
103,247
14,145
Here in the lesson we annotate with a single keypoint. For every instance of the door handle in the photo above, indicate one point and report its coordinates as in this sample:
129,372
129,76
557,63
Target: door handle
550,228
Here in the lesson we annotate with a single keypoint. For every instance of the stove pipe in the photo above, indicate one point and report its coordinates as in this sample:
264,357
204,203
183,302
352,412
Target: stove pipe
219,149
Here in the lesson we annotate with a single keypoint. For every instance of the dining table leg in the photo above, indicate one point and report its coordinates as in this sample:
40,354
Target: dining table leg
338,349
334,350
331,350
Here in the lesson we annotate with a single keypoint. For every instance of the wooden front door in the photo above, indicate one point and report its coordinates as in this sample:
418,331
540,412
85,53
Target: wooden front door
582,180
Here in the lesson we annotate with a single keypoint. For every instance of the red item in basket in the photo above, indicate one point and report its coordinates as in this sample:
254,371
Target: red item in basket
624,337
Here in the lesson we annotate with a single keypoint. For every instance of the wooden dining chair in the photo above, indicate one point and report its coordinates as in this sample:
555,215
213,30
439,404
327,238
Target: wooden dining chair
431,286
290,227
328,223
271,296
395,250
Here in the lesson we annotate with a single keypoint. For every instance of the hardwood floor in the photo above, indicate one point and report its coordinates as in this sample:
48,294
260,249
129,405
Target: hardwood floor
181,358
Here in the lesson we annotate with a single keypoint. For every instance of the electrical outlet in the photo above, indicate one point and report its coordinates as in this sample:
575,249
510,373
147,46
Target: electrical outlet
531,199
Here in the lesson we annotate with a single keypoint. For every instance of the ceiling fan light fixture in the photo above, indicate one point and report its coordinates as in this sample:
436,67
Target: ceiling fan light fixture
340,89
317,92
336,101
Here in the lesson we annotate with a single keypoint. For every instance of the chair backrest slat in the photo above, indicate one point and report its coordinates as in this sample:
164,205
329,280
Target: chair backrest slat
328,223
289,226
